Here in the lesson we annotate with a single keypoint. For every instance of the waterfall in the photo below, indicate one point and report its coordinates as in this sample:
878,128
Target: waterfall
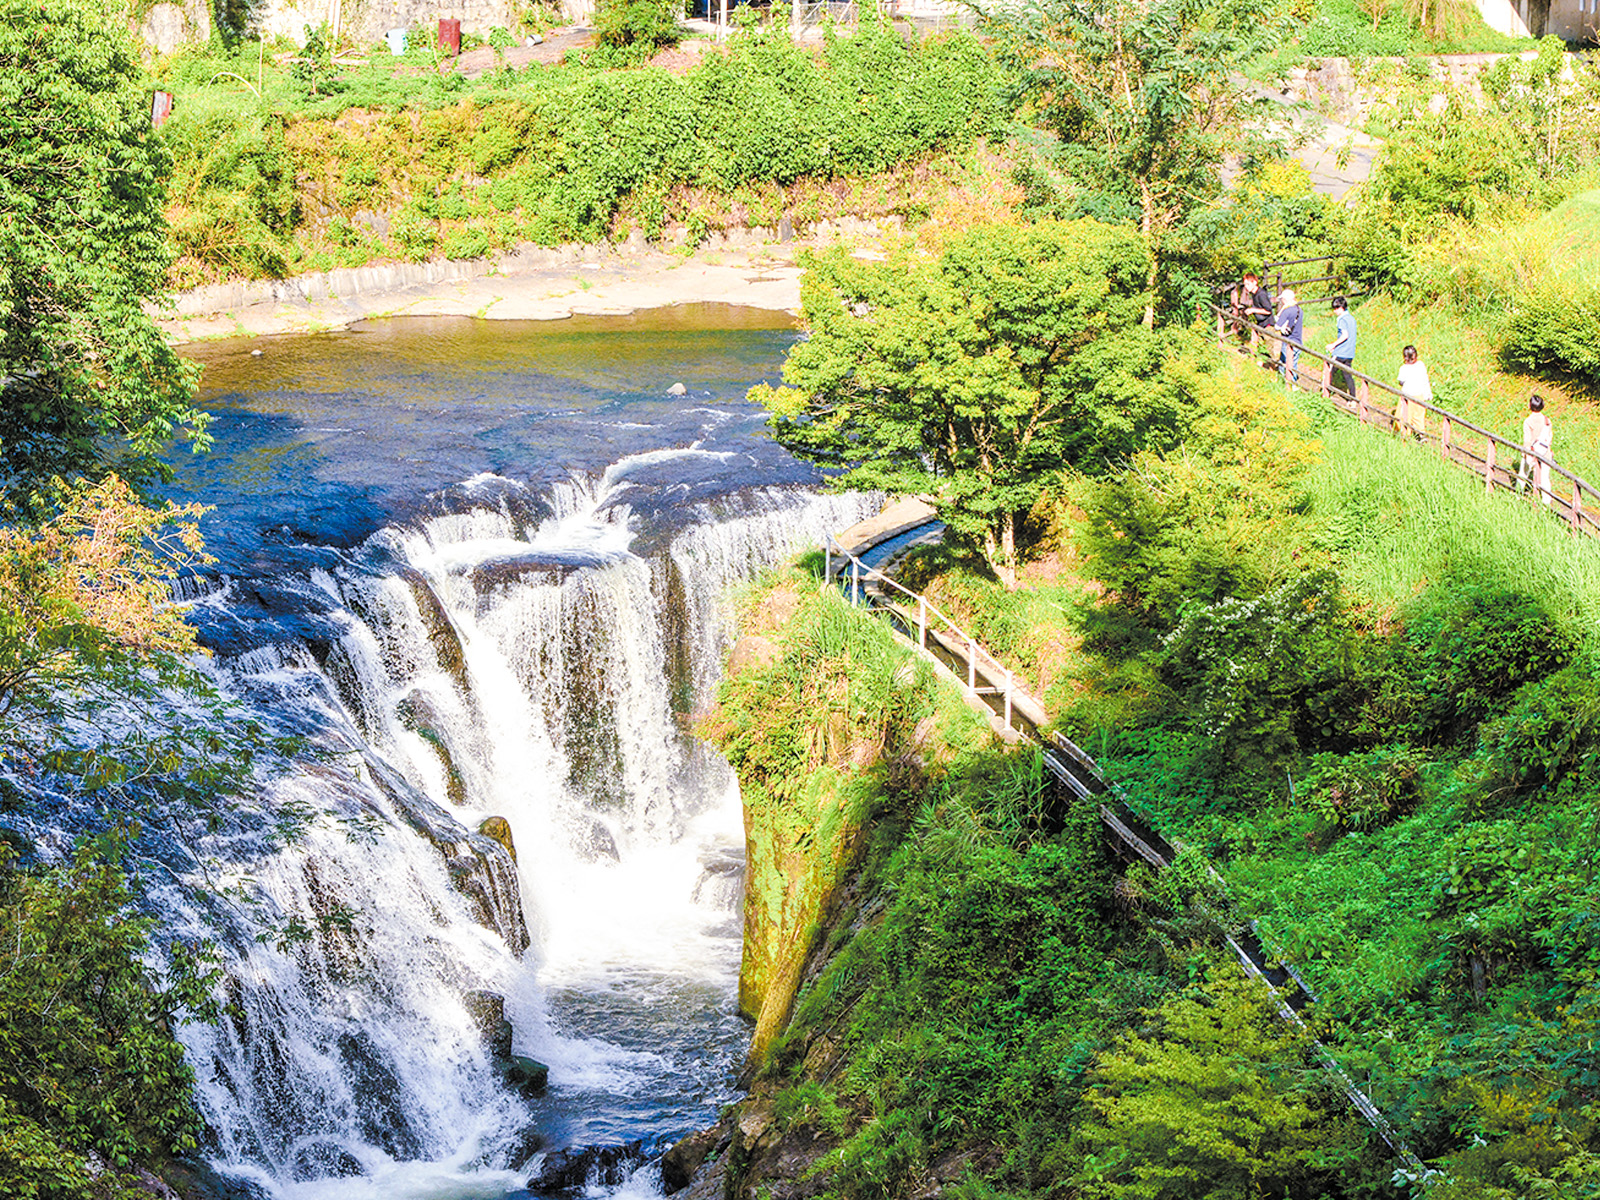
533,662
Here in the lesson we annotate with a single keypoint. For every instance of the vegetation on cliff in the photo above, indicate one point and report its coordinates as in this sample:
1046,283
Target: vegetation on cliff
977,1004
89,382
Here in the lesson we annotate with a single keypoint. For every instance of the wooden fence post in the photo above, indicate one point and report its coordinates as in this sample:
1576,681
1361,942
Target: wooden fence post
1444,438
1008,697
827,560
1576,515
972,664
922,622
1327,378
1488,465
1362,394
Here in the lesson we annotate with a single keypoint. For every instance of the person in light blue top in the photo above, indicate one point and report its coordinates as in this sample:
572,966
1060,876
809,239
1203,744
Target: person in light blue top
1343,348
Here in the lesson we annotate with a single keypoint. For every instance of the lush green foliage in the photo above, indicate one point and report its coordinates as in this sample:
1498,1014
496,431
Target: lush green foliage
1402,791
89,380
87,1060
639,25
974,376
1146,97
1216,1098
408,166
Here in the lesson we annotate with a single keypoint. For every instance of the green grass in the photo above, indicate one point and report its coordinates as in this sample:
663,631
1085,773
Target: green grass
1400,519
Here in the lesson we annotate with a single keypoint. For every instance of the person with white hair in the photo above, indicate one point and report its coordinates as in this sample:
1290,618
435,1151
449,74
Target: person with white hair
1291,332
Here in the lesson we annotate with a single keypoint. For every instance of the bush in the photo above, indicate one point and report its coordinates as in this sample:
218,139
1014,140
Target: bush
639,25
1554,328
1268,677
1549,737
1464,648
89,1063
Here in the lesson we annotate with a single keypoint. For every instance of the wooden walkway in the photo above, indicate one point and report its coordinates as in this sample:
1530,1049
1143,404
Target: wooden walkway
1373,402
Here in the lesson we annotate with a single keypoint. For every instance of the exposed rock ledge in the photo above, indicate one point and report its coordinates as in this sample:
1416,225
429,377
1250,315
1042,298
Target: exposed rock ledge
754,268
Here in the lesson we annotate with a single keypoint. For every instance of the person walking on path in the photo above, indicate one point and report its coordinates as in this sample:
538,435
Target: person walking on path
1291,329
1343,348
1537,443
1414,385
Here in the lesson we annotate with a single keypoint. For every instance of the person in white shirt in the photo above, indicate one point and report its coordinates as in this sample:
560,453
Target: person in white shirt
1537,441
1414,385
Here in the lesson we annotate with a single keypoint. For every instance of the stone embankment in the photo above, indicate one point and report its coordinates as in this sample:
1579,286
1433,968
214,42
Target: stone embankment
757,268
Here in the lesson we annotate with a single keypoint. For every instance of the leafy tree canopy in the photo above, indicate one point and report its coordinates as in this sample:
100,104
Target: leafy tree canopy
89,382
1146,96
974,376
87,1060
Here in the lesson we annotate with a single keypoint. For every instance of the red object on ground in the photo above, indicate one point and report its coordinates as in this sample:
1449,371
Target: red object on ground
160,108
450,34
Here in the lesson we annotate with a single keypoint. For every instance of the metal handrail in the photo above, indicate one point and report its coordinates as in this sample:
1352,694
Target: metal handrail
1580,514
1060,755
977,656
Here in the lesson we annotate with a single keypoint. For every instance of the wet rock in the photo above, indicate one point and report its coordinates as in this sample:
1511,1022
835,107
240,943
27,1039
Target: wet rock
442,633
323,1158
568,1171
528,1075
479,867
499,829
417,713
196,1179
595,841
721,881
488,1013
679,1164
497,574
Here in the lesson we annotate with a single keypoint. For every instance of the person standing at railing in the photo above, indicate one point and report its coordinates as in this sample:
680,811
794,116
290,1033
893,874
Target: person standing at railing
1343,348
1257,301
1414,385
1291,328
1538,439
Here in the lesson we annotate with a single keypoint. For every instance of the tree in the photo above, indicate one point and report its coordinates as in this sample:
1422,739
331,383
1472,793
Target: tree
1217,1099
975,376
89,383
1146,94
88,1062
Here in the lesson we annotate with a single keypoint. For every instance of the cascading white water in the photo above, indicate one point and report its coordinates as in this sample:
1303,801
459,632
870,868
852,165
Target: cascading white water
487,669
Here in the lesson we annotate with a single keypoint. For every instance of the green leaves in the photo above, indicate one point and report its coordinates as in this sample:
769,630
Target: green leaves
82,247
972,377
86,1061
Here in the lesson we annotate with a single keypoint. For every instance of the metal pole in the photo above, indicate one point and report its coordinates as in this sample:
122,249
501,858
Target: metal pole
922,622
972,664
855,576
1008,697
827,560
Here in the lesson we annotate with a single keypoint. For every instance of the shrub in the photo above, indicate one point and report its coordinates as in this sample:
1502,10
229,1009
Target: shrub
1554,328
1266,677
640,25
1464,648
89,1062
1548,737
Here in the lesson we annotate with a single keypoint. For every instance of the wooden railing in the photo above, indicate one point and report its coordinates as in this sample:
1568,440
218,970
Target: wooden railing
1454,438
1019,716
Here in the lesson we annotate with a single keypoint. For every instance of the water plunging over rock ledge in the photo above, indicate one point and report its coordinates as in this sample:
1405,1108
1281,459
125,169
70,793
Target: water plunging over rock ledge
490,614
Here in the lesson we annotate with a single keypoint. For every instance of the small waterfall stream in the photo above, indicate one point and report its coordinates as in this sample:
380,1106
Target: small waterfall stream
488,661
